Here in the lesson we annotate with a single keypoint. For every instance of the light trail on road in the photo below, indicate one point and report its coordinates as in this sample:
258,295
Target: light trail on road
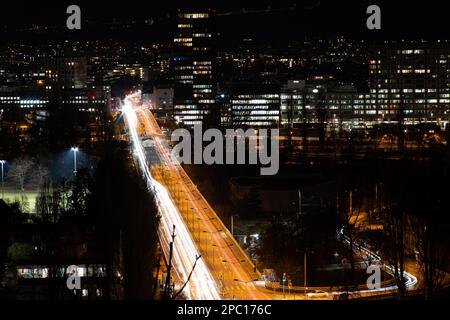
410,280
202,285
237,264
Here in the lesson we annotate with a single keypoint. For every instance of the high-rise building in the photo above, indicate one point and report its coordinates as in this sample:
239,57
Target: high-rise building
193,67
411,82
66,73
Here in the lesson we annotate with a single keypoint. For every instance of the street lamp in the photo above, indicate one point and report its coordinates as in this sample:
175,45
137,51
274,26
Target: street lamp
2,162
232,224
75,150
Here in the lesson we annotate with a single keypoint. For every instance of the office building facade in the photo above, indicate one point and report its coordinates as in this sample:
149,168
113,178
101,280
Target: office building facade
193,66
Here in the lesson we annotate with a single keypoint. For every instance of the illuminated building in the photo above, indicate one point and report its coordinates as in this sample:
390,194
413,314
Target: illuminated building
66,73
193,67
162,100
410,81
304,105
255,106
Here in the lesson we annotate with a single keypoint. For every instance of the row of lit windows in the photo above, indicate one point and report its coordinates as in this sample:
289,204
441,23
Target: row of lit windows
202,67
194,15
9,98
201,95
87,110
202,72
185,106
183,67
201,35
182,40
256,112
256,121
83,101
252,96
417,51
420,71
203,90
202,63
33,101
254,101
252,107
183,112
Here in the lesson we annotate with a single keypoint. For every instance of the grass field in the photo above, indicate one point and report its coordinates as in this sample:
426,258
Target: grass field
16,195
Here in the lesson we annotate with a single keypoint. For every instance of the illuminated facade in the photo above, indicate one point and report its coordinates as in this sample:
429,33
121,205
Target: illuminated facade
411,82
66,73
193,67
408,83
341,107
255,106
95,99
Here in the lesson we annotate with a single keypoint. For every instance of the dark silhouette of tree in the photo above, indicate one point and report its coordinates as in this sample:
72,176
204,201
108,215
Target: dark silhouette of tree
80,189
20,171
139,242
394,247
433,254
59,128
349,210
125,221
249,205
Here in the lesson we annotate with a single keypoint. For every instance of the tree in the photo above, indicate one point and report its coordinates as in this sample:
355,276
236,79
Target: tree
139,240
40,174
350,217
125,221
20,251
79,193
394,245
433,255
249,205
19,171
50,203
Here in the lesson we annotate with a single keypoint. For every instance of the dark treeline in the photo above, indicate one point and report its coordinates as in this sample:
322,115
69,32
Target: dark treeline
126,217
111,214
409,199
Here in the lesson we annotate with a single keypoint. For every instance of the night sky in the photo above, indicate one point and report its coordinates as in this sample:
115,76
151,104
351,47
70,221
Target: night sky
286,20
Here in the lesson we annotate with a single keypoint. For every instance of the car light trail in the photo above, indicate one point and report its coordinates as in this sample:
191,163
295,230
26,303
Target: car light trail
202,285
232,259
410,280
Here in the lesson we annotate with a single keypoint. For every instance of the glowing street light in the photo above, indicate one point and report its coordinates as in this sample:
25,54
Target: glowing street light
2,162
75,150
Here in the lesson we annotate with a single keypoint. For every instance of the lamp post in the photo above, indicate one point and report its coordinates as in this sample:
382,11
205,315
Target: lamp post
2,162
75,150
232,224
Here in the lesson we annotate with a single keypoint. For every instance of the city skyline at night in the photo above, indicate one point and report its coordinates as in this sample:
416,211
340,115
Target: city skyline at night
264,154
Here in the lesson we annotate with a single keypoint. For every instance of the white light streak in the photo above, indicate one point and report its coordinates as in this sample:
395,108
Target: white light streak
201,286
